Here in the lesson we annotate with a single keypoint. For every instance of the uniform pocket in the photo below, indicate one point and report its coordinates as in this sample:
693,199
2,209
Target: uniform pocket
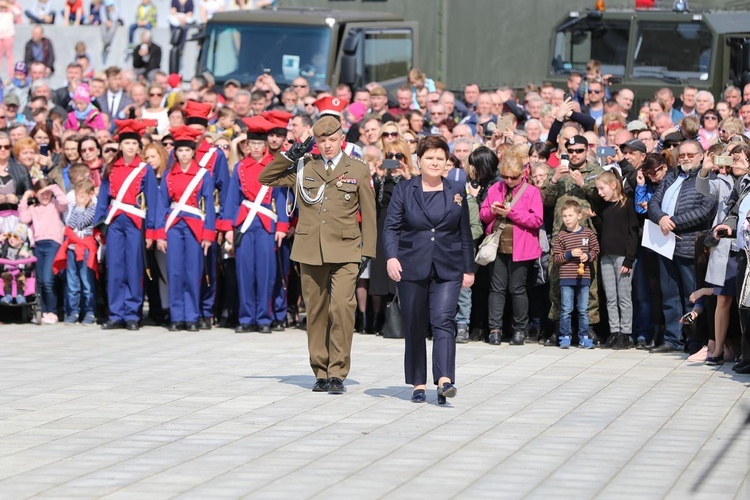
350,233
302,229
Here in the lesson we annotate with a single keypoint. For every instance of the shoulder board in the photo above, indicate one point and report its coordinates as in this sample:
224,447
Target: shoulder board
360,160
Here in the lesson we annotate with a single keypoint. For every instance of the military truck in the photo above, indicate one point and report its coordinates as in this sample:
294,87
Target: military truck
325,46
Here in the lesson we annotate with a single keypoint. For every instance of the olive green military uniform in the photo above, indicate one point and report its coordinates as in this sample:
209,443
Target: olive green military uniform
554,195
329,245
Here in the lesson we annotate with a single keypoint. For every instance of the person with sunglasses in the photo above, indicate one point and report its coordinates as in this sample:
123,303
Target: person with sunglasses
156,110
677,207
124,221
513,207
573,179
389,132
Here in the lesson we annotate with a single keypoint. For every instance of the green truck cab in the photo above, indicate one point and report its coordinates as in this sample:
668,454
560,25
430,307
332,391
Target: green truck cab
325,46
651,49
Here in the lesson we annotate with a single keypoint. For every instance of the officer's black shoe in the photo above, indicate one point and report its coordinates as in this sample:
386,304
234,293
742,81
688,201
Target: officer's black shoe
113,325
204,323
192,327
321,385
176,326
132,325
519,338
336,386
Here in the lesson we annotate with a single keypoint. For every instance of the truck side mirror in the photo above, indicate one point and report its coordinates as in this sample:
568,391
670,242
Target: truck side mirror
348,72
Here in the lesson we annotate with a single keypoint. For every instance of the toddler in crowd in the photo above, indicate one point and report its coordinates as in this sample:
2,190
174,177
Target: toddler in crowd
78,255
14,247
574,249
224,123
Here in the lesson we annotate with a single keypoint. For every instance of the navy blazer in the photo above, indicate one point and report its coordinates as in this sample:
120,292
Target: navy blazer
410,236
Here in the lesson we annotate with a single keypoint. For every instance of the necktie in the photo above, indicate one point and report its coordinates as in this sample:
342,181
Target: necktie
112,109
329,166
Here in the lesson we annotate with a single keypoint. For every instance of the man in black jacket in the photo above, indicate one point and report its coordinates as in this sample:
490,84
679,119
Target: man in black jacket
147,56
40,49
62,96
678,207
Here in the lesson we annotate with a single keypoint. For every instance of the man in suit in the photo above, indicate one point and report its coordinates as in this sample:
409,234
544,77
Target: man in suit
329,245
64,95
115,100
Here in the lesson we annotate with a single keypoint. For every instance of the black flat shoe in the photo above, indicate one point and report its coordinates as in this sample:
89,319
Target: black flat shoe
743,368
715,360
113,325
336,386
441,400
551,340
245,328
448,390
419,396
321,385
611,341
519,338
494,338
204,323
176,327
264,329
132,325
624,342
276,326
192,327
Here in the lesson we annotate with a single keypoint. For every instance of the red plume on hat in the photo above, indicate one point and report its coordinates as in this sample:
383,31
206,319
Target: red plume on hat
197,113
184,136
133,129
330,105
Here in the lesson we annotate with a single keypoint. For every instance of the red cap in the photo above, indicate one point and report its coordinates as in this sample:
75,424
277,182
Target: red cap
258,127
330,105
174,80
197,112
133,129
184,136
280,119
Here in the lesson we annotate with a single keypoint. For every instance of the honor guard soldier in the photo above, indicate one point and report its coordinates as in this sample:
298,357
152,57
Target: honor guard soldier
257,224
185,229
331,189
125,217
213,160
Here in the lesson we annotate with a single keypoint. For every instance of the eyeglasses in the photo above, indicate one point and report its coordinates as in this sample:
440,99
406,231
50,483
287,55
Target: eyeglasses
577,151
299,86
595,91
167,144
687,155
309,104
222,146
5,147
398,156
110,150
410,141
155,94
710,117
389,134
290,141
88,150
511,177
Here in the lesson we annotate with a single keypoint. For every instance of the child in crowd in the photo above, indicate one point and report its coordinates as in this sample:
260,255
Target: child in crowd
95,13
78,173
574,249
224,123
84,113
618,232
42,208
78,255
14,246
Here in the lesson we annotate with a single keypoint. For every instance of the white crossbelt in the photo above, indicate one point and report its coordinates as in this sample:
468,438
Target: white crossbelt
256,208
181,205
117,203
206,157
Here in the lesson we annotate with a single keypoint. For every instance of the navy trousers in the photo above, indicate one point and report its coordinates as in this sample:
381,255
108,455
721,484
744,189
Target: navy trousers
125,269
283,266
184,273
256,271
208,290
431,302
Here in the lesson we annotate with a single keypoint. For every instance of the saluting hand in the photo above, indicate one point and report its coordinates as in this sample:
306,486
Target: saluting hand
393,266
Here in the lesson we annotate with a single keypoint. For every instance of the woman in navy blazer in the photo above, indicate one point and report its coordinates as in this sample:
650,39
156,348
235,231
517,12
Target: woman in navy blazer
427,240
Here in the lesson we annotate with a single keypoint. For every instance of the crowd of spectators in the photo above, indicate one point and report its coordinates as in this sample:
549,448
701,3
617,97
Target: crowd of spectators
564,178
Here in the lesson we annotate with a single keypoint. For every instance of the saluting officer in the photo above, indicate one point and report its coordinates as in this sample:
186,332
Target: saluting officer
125,217
213,160
329,244
185,229
254,218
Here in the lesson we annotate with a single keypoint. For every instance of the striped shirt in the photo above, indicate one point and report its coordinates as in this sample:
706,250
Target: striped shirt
562,253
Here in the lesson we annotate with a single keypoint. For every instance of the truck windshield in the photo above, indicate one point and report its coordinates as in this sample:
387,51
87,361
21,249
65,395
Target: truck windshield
672,50
582,39
245,51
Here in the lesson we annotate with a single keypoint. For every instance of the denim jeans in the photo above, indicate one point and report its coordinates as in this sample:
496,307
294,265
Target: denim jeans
79,290
45,251
578,297
677,277
463,316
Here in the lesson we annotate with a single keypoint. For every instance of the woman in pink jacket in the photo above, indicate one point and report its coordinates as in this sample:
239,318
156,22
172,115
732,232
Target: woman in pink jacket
84,113
513,207
43,209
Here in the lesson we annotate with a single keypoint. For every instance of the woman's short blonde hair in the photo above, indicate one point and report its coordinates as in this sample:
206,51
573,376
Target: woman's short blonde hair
24,143
511,165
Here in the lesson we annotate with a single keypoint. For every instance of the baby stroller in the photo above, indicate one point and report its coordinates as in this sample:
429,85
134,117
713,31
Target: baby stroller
29,303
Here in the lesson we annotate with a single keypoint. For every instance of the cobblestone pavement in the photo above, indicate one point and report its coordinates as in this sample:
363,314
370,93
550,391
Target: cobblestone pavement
86,413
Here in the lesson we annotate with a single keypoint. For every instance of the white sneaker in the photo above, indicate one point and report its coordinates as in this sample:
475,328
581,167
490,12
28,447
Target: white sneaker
49,318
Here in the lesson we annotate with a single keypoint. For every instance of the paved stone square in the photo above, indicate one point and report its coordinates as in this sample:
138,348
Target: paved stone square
86,413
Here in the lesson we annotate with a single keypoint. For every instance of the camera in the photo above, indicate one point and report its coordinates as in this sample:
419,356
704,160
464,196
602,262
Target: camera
32,201
688,319
474,184
723,161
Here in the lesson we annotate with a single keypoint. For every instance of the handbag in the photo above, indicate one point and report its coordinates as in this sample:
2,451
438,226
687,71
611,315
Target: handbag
488,248
393,327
